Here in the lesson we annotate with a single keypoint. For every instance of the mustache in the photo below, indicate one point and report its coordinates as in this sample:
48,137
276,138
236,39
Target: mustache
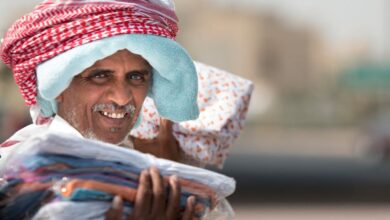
129,108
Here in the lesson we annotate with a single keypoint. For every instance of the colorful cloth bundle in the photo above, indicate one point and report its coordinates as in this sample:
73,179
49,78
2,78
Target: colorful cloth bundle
57,170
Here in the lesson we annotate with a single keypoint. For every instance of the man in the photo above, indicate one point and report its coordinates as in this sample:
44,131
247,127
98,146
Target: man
86,67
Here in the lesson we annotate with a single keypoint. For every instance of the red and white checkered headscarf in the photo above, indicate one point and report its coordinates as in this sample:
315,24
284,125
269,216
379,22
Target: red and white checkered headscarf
56,26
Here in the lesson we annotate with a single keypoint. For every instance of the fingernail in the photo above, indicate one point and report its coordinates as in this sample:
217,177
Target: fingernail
174,179
154,169
193,200
117,202
145,173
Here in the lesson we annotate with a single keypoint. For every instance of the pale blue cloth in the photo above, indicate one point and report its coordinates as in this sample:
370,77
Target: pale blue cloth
175,83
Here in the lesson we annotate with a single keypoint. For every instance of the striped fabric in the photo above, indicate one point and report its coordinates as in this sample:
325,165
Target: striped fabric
54,27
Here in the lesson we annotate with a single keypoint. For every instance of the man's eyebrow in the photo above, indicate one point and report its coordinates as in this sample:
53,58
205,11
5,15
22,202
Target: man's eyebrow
143,71
98,70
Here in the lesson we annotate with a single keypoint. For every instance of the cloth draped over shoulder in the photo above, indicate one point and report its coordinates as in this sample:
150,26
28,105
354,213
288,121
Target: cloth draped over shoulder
223,100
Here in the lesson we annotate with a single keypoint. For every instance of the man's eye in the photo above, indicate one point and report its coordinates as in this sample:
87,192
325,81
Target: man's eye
99,75
136,76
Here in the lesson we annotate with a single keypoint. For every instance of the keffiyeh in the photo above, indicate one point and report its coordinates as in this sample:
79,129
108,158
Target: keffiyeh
57,26
54,29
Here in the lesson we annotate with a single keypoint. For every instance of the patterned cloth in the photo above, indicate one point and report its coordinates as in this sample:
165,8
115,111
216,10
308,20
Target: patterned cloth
57,26
223,101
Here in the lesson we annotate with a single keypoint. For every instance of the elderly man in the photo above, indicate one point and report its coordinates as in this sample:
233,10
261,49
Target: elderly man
86,67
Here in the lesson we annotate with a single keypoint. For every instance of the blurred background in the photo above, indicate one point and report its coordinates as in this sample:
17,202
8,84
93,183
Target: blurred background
317,139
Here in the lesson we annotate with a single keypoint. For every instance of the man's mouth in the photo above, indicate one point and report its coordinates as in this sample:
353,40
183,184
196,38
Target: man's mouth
113,115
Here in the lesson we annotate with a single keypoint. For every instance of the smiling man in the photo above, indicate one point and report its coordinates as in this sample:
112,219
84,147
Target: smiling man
103,101
86,66
92,65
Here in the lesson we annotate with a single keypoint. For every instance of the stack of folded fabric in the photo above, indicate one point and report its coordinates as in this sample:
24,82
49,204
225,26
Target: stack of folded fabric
61,177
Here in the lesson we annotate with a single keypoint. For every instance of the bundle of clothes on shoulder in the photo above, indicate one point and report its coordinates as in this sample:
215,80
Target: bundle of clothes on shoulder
58,176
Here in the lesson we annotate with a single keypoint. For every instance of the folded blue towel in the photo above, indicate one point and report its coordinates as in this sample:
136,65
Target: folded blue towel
175,84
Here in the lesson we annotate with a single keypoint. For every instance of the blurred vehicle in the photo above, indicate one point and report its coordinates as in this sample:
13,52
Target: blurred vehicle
376,143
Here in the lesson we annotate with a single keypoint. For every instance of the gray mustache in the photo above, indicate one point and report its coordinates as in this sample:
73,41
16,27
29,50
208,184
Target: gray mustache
129,108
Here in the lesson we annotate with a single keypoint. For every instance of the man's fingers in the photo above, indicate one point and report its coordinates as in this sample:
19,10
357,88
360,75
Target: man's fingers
144,196
189,212
138,141
165,131
116,210
174,198
158,192
168,124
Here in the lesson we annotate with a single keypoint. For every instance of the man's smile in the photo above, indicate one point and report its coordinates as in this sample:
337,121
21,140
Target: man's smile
114,115
114,119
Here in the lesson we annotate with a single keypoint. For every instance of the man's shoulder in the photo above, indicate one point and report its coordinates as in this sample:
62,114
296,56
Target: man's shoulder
20,136
11,144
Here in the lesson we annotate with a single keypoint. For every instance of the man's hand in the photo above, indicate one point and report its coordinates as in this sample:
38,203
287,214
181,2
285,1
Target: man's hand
151,201
164,145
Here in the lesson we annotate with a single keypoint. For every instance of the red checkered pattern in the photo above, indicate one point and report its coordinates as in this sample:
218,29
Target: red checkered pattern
57,26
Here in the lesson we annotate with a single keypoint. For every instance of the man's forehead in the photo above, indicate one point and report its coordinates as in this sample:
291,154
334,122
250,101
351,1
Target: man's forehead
123,56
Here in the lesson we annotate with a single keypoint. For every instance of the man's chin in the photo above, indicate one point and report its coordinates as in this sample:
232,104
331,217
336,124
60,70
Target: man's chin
107,137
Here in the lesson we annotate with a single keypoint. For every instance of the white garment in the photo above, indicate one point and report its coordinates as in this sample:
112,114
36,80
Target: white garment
64,210
57,125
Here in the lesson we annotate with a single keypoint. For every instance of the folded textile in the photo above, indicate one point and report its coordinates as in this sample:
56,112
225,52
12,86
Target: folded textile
52,168
65,210
23,206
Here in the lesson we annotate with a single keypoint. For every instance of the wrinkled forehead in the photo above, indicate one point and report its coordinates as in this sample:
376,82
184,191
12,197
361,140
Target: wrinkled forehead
125,57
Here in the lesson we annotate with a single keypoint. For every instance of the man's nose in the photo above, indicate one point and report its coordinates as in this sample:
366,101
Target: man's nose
121,93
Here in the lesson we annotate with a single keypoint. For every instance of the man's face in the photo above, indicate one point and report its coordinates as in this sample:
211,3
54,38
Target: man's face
103,102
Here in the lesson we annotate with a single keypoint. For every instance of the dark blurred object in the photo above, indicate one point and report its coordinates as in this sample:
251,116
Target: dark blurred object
13,113
307,180
12,122
377,132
